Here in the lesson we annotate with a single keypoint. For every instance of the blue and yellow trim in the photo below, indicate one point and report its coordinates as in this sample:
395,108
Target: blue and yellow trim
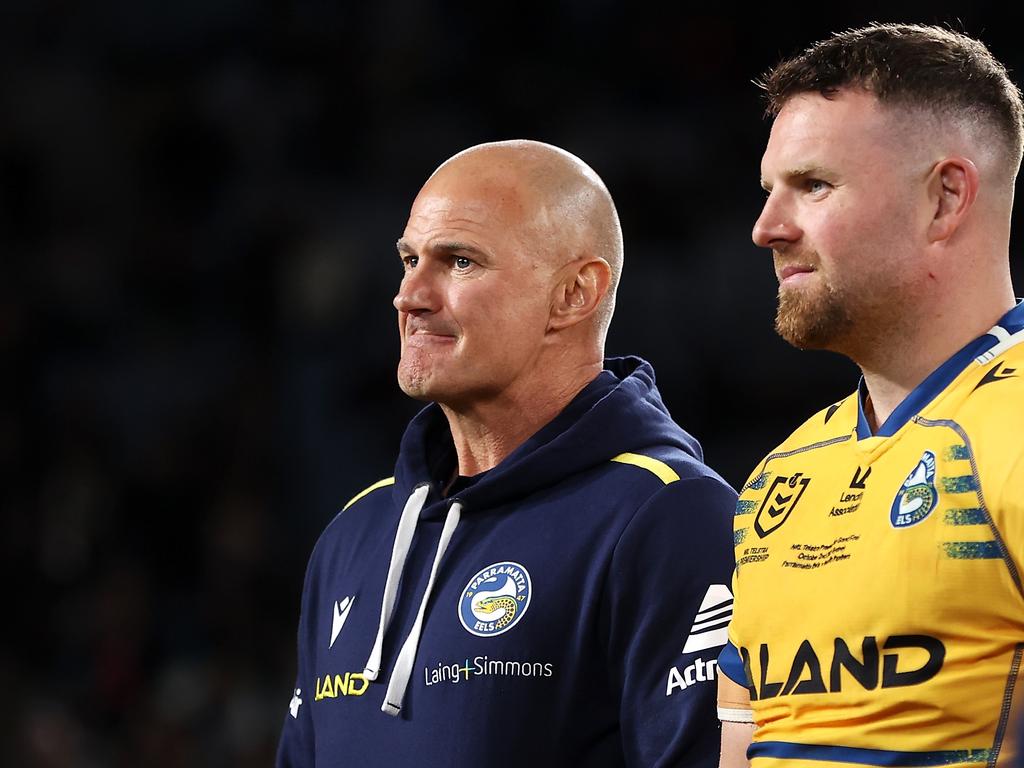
787,750
379,484
659,469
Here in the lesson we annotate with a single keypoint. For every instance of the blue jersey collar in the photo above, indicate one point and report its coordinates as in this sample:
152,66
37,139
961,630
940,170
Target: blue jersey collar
1010,323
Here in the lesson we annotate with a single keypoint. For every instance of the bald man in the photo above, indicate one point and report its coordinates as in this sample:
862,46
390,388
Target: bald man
543,580
879,615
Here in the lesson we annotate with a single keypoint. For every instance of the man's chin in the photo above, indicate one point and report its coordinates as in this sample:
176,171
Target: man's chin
416,387
425,384
808,325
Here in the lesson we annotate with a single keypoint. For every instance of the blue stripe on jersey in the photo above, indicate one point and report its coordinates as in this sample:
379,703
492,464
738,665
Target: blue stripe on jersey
972,550
958,453
962,484
1011,566
758,482
745,506
861,756
936,382
731,665
969,516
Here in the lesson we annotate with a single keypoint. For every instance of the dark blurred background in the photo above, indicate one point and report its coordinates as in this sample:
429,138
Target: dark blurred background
198,207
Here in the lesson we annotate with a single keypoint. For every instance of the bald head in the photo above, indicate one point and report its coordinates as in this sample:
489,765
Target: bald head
559,205
511,256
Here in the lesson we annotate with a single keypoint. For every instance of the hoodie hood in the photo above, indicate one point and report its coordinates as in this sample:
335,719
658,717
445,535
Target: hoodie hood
619,411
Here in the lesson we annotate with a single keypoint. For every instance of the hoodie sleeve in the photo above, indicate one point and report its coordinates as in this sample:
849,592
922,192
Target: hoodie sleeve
295,749
668,605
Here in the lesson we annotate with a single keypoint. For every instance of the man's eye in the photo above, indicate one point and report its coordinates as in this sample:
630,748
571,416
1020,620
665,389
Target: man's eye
462,262
410,262
815,186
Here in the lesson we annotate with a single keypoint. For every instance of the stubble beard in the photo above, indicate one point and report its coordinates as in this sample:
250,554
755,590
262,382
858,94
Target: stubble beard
414,377
813,319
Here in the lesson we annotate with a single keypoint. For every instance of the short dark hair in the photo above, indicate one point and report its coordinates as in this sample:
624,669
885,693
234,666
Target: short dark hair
911,65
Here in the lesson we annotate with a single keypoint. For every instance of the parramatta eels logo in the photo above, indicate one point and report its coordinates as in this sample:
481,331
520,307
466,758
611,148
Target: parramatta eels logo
917,496
495,599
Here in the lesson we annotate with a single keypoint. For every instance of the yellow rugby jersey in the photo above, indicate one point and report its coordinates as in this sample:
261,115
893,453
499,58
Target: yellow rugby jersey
879,613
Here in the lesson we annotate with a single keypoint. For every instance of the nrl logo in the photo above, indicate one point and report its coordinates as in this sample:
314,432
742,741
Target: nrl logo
779,502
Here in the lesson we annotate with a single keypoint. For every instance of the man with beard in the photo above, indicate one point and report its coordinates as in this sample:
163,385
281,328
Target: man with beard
879,616
543,581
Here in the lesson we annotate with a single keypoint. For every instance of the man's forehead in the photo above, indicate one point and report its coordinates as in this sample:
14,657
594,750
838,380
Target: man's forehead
451,207
812,117
461,201
812,130
441,220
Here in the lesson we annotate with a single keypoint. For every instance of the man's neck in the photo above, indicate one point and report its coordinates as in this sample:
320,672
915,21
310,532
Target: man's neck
486,433
894,368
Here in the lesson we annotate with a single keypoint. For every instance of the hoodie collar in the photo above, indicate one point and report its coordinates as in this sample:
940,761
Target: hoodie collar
620,410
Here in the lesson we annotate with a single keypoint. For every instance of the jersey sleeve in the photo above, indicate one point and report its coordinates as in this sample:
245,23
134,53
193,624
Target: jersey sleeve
295,748
668,605
733,695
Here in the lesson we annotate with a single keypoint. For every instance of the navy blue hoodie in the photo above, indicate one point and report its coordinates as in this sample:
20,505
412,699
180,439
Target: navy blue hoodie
563,609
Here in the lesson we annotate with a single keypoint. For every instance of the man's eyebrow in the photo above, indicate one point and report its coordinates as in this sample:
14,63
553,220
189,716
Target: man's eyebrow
811,169
442,246
797,172
448,246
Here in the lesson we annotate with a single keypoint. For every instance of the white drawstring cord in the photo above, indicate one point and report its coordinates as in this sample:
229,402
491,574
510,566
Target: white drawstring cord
399,552
403,666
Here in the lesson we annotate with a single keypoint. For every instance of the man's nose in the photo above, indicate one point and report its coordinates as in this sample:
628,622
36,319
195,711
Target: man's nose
418,291
775,226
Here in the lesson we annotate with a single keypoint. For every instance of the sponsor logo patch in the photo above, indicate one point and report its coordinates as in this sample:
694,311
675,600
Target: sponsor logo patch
484,666
495,599
711,624
893,662
333,686
699,672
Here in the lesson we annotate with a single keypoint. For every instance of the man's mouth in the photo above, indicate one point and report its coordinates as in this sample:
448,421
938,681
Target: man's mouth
419,336
794,273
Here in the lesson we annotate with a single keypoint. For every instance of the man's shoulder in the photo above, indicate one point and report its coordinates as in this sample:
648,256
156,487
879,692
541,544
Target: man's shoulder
368,502
387,481
354,526
836,420
831,424
667,473
993,391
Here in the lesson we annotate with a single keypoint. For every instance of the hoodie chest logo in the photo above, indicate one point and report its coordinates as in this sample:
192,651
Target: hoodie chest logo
495,599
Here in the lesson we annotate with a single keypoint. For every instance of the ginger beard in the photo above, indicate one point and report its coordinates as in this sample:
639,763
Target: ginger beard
812,316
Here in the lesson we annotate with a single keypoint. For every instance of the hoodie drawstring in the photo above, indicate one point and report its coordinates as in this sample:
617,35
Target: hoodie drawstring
403,666
399,552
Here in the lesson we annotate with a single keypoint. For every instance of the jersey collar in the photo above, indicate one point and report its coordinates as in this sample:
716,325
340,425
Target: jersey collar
1009,324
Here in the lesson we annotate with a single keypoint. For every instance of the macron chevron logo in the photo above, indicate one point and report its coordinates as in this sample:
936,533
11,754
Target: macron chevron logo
341,609
711,625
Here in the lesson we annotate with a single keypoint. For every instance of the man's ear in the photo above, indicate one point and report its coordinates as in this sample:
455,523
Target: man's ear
952,189
581,286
